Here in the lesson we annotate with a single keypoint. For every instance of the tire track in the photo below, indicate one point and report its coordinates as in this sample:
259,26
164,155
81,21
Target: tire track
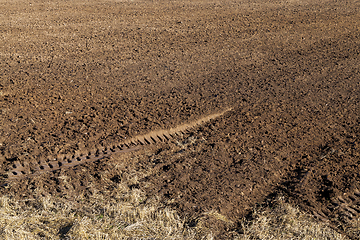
22,170
346,208
317,191
342,213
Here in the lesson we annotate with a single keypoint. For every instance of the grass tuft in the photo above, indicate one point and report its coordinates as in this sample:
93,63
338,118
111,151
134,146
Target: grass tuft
285,222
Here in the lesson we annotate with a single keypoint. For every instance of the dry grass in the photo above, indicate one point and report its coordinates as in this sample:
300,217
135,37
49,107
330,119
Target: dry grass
286,222
92,218
127,216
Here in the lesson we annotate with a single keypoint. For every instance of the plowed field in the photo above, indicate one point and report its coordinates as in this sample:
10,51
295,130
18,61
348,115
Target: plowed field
227,103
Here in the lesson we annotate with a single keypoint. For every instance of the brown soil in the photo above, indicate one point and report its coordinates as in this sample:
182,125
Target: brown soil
76,75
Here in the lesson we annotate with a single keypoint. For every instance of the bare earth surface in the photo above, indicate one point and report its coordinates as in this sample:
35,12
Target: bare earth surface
77,75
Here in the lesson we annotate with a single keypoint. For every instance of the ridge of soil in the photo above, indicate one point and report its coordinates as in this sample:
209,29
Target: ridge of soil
16,170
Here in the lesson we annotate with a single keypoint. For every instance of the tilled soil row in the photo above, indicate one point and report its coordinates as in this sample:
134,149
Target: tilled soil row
21,170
